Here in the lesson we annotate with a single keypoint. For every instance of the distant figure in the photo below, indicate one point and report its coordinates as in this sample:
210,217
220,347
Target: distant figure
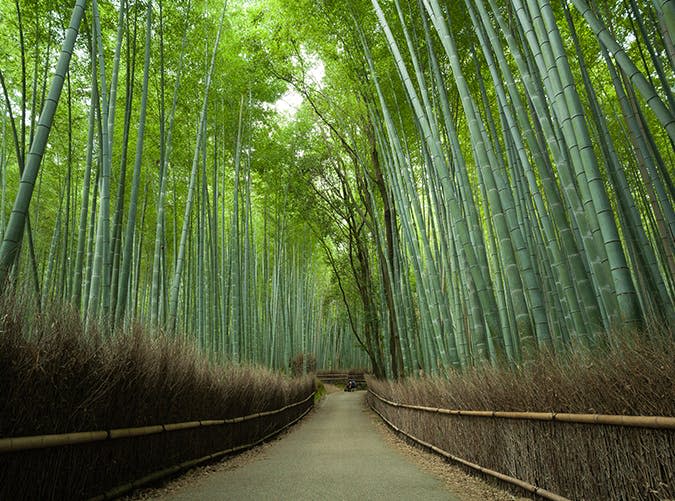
351,385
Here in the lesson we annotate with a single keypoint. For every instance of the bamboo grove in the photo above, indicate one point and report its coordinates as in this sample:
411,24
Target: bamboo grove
470,181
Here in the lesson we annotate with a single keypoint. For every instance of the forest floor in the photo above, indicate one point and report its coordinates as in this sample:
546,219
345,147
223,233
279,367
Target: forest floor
340,451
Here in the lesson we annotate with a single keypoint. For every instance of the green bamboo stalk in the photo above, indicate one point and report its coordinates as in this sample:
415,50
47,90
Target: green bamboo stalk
644,260
518,266
655,59
620,274
64,278
559,263
666,11
649,94
589,293
15,226
115,71
167,148
180,256
134,306
235,248
116,241
76,297
123,288
99,292
3,177
49,272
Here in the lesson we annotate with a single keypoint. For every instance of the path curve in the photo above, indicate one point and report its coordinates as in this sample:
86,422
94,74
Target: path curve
336,453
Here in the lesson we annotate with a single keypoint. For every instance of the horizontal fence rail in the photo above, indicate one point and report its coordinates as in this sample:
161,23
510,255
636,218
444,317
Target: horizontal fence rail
340,374
14,444
659,422
330,377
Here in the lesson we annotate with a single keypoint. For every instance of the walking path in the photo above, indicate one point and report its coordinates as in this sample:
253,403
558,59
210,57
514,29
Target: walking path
335,454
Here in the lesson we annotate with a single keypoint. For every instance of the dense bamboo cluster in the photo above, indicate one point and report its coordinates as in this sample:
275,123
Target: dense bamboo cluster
226,273
534,197
472,181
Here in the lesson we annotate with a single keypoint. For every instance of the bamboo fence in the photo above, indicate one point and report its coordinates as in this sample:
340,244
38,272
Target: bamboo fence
14,444
660,422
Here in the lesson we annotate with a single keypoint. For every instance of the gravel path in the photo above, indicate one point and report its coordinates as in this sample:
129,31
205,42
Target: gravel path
337,453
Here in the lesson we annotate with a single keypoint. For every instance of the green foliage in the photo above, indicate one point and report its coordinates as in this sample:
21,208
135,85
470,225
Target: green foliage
460,181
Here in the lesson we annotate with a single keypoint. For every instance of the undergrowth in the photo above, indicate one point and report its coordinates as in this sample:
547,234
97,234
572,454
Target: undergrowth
635,375
320,390
57,377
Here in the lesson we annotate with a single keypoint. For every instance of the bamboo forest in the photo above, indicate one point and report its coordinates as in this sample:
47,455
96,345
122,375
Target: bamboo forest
216,212
407,185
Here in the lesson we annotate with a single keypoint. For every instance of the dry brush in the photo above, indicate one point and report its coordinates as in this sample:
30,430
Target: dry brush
57,378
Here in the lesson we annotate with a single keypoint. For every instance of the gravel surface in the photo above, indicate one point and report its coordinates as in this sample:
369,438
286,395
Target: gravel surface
342,450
